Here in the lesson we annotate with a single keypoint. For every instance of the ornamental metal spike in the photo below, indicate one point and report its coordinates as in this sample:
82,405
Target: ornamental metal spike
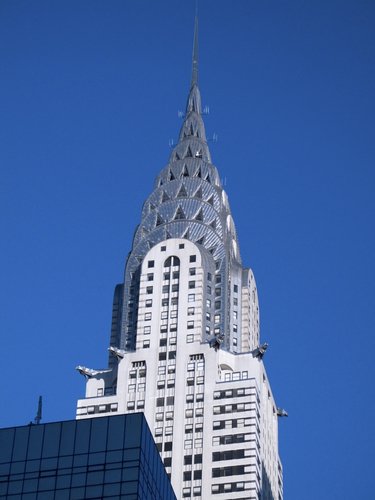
194,69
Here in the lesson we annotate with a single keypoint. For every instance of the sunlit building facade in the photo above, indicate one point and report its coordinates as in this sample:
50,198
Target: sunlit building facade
185,345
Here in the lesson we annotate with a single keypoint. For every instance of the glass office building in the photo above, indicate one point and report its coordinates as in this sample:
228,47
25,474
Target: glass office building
110,457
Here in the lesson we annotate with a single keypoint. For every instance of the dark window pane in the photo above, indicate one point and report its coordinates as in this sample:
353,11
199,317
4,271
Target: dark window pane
98,436
20,443
6,444
82,437
133,430
51,440
68,430
35,442
115,433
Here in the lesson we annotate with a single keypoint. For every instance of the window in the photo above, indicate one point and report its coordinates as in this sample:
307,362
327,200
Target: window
217,304
174,314
164,302
169,415
217,318
217,292
198,458
235,288
208,289
170,400
198,474
192,271
190,367
181,245
190,311
172,341
200,380
150,277
131,388
162,356
190,398
209,276
164,315
159,402
235,328
168,430
163,328
188,460
173,327
163,248
188,444
174,301
172,355
187,475
189,339
146,344
235,342
193,258
190,381
191,297
147,330
197,491
186,492
149,303
208,303
190,325
235,314
159,417
163,342
235,301
175,287
141,387
141,403
188,428
130,405
166,276
165,289
167,461
208,316
191,284
199,397
149,289
161,384
176,275
161,370
151,263
188,413
168,446
199,427
199,412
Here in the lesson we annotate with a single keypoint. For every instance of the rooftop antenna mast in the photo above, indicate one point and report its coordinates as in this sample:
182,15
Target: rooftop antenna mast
38,416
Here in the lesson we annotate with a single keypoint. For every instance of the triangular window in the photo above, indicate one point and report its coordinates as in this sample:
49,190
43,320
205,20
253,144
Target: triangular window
213,224
191,129
176,156
165,197
168,235
198,173
189,154
159,220
199,215
152,207
179,214
185,172
186,234
200,241
198,193
182,192
171,176
160,182
207,178
211,200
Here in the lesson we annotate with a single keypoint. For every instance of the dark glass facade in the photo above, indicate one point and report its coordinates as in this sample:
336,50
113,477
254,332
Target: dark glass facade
109,457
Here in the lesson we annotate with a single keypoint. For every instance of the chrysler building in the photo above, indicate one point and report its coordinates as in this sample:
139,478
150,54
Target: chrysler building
185,344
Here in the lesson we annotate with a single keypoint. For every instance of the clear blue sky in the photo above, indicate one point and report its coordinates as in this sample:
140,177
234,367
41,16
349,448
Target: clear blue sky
89,94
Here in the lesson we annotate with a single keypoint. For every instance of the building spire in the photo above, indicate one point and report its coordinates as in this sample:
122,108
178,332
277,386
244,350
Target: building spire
194,70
